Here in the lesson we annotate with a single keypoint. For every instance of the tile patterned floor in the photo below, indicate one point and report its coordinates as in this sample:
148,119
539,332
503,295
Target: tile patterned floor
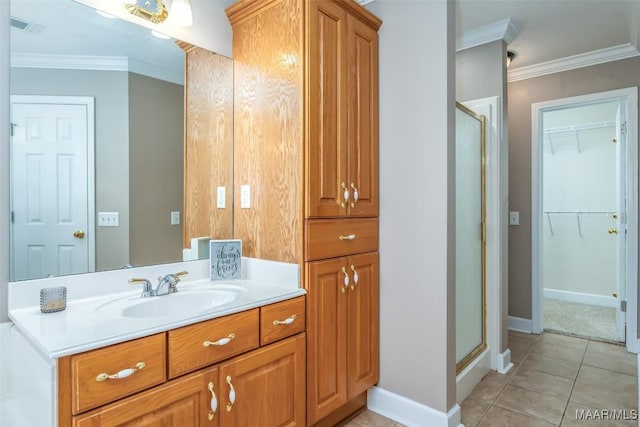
554,377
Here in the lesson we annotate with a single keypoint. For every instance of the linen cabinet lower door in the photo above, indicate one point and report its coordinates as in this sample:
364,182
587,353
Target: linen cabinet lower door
327,292
266,387
363,323
183,402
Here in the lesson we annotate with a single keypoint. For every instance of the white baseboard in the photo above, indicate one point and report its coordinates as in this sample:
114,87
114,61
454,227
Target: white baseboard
409,412
471,376
504,364
581,298
519,325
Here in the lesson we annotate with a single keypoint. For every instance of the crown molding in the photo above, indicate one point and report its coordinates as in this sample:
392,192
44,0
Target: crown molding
595,57
93,63
500,30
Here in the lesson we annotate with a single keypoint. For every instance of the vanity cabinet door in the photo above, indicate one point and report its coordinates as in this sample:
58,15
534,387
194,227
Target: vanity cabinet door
266,387
183,402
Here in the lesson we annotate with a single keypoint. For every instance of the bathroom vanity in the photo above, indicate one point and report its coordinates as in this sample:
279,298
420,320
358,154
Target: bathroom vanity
236,358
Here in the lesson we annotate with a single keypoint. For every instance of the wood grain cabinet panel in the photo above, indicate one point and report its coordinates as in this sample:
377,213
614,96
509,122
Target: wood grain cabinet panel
87,392
329,238
342,331
186,346
180,403
268,386
281,320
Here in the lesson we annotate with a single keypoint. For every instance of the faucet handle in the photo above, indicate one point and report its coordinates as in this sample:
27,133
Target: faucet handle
176,276
147,289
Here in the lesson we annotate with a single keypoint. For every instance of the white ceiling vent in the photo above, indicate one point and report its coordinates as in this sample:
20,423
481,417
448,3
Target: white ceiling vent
26,26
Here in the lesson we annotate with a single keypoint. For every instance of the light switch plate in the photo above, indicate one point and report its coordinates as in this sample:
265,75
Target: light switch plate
514,218
221,197
108,219
175,218
245,196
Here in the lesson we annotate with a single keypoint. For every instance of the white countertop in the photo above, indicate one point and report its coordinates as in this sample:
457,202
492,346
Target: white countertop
80,327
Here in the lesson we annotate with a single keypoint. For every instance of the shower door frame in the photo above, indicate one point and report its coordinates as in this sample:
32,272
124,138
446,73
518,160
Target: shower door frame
628,96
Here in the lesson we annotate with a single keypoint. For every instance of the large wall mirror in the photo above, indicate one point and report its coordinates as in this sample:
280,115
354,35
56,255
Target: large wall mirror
97,146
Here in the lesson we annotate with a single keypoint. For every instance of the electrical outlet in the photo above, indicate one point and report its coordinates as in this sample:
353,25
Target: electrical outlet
108,219
245,196
175,218
221,198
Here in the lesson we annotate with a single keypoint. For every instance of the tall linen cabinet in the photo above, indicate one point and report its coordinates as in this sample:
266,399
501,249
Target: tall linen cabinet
306,144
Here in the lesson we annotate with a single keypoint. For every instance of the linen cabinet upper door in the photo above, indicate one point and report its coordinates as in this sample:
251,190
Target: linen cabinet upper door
362,118
326,157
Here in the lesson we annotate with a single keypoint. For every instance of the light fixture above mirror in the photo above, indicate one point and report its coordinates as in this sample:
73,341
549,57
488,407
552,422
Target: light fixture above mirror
156,11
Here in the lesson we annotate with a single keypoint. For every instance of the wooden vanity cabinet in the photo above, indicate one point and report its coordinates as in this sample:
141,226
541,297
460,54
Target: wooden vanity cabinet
342,331
306,141
342,160
262,386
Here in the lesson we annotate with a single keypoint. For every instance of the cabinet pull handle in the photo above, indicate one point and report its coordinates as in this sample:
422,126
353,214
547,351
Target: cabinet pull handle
355,195
214,402
347,237
222,341
346,280
345,194
232,394
355,278
122,374
287,321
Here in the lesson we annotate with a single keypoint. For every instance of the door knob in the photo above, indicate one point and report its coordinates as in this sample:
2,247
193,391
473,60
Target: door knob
79,234
613,231
615,294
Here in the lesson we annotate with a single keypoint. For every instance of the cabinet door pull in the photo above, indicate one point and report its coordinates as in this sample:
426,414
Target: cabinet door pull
287,321
345,194
346,280
347,237
214,402
355,277
355,195
122,374
222,341
232,394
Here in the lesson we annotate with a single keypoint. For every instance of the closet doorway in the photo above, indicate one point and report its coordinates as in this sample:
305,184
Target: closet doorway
584,187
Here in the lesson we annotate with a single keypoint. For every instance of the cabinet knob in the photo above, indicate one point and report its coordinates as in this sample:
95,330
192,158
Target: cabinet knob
287,321
345,194
355,277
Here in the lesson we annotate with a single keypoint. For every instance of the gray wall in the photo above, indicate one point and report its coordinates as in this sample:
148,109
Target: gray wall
582,81
110,90
417,201
156,157
4,157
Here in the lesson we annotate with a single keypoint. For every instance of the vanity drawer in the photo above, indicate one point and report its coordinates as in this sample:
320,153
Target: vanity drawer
329,238
90,388
281,320
204,343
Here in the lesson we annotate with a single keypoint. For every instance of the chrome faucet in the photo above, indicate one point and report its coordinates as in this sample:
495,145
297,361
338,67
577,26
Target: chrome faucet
166,285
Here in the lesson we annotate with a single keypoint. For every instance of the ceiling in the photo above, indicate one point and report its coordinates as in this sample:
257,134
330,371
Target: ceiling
548,30
542,30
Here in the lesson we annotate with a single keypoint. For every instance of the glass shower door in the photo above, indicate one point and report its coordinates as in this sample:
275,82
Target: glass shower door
470,237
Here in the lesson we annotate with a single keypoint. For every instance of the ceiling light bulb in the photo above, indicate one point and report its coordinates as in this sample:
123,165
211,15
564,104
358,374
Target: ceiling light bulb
180,13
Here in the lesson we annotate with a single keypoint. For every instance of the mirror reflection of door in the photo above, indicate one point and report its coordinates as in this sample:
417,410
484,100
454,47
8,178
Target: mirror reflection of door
470,237
51,144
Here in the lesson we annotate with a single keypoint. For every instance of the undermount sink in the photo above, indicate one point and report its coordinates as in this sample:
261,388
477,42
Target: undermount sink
183,303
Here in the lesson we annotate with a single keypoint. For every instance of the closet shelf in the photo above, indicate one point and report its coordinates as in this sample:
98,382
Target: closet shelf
576,130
